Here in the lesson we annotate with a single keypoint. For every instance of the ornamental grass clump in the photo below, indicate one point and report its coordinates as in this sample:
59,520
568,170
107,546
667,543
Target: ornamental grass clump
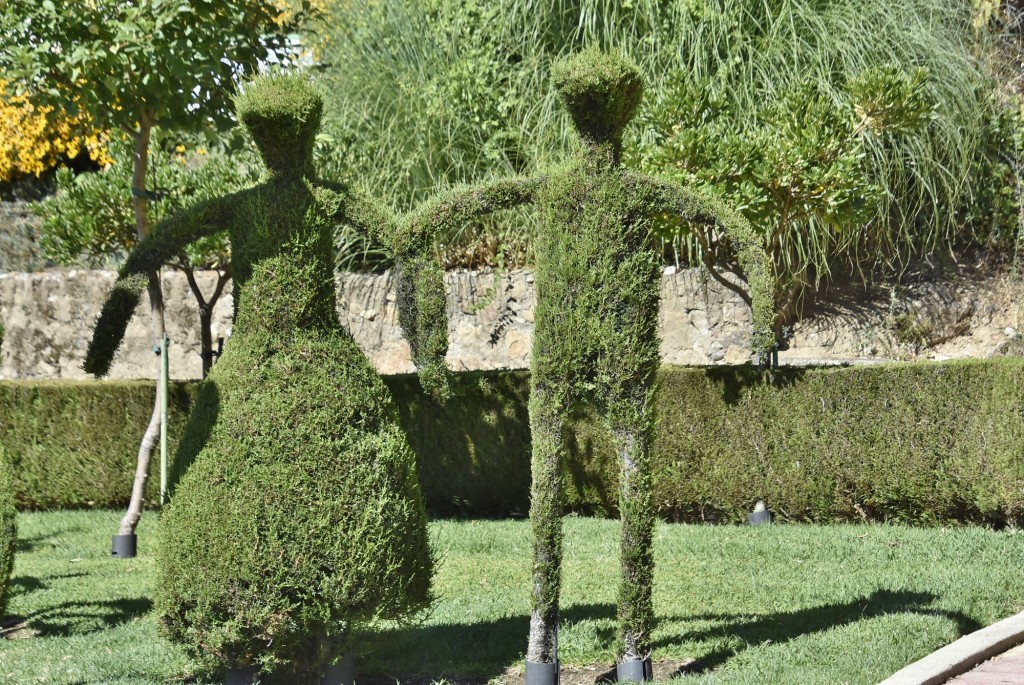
8,531
595,340
298,515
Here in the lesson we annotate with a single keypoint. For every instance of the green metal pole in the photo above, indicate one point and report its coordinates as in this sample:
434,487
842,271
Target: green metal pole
164,372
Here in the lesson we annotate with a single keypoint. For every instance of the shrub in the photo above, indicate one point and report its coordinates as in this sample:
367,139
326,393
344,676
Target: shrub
73,444
772,105
923,443
302,508
298,500
8,531
33,141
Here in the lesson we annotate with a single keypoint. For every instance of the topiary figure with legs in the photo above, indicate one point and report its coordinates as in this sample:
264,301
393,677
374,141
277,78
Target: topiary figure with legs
299,516
596,326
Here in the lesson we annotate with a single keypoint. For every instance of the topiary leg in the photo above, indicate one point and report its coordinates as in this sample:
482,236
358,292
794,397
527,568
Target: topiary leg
630,419
548,435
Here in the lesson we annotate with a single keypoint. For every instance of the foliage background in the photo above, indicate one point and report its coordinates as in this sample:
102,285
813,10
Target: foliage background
745,99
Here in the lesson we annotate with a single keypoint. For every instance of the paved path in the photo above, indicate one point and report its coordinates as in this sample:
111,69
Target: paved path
1004,669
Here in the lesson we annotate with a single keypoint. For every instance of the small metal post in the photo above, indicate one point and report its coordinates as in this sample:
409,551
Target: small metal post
164,374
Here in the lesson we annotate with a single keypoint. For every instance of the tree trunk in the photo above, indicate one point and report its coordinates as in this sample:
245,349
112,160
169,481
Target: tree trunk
205,309
156,308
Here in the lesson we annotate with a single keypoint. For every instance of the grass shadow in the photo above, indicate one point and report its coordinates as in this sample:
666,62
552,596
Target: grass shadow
84,617
481,651
789,625
458,652
23,585
35,543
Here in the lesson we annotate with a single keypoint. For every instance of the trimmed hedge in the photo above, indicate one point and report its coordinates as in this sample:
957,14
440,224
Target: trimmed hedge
74,444
920,443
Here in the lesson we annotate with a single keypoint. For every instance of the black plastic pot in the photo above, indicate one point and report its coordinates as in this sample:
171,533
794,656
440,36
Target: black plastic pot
123,546
634,671
341,673
541,674
242,676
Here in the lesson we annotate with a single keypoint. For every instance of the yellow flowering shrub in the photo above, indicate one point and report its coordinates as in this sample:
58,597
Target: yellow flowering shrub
31,143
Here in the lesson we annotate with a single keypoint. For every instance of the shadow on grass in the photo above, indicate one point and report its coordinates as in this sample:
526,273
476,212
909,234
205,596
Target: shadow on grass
785,626
23,585
481,651
459,652
82,618
36,543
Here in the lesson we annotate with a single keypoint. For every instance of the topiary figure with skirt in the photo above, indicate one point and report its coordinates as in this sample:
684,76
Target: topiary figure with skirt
595,338
298,514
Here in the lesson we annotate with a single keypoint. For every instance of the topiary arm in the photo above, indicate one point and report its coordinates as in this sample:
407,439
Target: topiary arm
168,238
422,305
448,211
369,216
662,196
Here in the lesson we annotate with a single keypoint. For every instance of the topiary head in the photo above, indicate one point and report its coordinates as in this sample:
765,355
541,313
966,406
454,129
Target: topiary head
282,113
601,91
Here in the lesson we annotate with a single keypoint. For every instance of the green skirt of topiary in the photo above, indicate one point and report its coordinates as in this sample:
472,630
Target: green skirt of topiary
299,517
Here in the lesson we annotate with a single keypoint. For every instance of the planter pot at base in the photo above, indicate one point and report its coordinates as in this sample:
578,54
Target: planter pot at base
759,518
634,671
541,674
341,673
123,546
242,676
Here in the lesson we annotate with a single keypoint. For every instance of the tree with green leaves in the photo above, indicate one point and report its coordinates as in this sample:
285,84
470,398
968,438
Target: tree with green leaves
850,133
297,497
596,325
134,66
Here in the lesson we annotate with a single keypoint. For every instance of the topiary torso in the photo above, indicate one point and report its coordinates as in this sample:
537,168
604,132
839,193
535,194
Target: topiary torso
597,284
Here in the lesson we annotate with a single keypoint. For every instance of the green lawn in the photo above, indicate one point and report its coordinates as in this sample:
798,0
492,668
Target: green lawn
781,604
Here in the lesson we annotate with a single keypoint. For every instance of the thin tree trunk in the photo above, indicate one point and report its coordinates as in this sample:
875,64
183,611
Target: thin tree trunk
205,309
156,308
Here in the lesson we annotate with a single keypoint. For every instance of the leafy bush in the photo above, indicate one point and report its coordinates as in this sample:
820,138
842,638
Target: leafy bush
90,218
847,130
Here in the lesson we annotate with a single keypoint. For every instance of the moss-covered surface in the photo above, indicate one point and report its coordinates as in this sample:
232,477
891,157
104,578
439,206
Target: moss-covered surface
295,489
596,340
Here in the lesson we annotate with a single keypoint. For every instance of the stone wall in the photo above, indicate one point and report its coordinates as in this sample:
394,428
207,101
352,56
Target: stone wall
49,316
